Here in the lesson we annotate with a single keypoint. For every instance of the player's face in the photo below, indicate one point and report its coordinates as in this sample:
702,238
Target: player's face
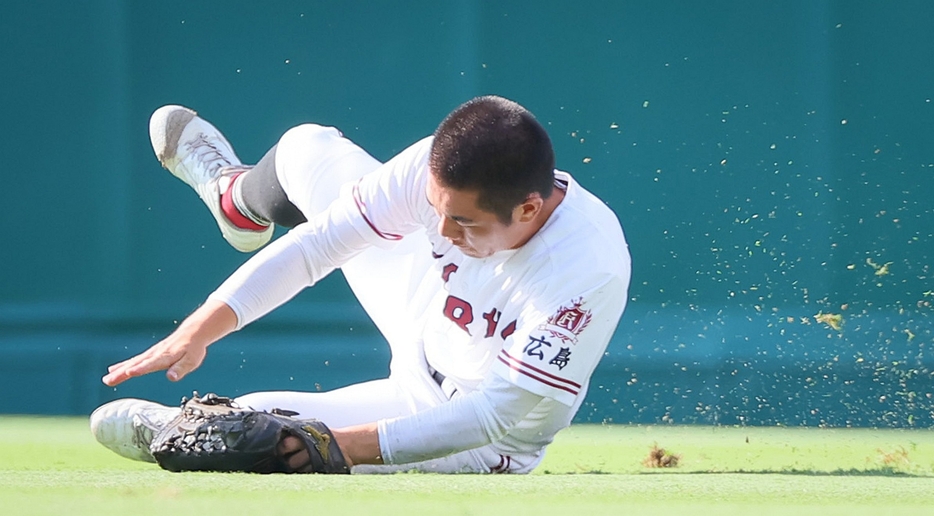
477,233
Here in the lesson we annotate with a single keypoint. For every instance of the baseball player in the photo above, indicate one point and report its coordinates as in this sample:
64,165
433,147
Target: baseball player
497,281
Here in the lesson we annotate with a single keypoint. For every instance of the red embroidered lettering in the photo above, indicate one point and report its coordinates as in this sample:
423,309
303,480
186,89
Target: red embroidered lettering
492,319
508,330
459,311
447,271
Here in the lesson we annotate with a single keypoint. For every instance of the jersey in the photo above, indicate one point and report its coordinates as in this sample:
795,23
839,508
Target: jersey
540,316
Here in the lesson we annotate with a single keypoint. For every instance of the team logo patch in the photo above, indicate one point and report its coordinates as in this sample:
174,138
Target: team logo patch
568,322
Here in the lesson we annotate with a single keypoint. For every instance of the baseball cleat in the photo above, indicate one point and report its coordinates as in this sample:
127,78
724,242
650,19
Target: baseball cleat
127,426
194,151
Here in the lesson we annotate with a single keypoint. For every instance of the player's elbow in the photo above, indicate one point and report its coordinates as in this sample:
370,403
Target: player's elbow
495,419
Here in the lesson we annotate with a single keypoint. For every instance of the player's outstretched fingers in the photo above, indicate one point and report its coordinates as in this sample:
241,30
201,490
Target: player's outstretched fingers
146,362
134,359
118,373
116,366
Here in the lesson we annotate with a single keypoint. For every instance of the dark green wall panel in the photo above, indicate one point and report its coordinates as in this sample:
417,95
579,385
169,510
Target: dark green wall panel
760,156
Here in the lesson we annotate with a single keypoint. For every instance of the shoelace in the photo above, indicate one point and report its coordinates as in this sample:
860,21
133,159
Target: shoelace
206,153
142,432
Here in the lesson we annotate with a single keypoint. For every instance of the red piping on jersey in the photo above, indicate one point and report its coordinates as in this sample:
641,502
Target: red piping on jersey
539,371
362,208
518,365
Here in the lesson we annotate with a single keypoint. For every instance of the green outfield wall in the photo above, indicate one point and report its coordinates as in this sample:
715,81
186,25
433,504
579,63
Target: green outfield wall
772,164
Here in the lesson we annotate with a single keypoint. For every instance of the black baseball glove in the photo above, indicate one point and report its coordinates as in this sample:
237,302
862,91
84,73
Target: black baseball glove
212,433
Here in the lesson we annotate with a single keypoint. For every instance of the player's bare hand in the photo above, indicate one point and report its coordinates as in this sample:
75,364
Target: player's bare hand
176,357
181,352
293,451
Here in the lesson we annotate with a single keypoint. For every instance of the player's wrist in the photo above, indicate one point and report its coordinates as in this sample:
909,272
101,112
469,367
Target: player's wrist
209,323
359,444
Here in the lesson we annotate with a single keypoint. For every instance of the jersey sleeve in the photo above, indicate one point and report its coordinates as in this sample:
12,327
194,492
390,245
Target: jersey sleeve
391,202
464,423
558,341
376,211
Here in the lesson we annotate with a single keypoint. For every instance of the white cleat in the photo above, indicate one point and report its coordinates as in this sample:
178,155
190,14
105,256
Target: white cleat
127,426
194,151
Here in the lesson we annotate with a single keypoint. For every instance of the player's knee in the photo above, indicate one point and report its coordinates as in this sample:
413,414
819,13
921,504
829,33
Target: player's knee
310,135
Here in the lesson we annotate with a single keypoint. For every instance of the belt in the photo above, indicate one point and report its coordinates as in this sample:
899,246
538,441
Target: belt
447,386
439,378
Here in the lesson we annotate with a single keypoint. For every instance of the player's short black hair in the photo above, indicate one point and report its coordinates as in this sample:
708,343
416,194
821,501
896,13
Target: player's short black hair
495,147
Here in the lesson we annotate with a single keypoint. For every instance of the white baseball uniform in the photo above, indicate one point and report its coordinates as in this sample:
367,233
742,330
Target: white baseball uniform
491,357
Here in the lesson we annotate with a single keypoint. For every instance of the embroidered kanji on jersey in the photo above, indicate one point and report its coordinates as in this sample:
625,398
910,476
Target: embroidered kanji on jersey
538,374
568,322
534,347
562,358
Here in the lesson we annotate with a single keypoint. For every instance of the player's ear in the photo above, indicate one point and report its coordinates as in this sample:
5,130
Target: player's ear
528,209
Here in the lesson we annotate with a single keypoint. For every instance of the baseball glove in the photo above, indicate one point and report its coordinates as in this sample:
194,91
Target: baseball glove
212,433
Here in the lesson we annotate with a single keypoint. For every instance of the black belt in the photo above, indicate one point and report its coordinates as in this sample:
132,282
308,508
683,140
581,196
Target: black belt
439,378
447,388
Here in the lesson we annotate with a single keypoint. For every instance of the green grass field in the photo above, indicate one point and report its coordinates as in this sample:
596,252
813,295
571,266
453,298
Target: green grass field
53,466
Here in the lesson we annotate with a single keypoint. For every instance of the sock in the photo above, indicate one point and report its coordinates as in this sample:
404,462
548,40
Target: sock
260,196
238,215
